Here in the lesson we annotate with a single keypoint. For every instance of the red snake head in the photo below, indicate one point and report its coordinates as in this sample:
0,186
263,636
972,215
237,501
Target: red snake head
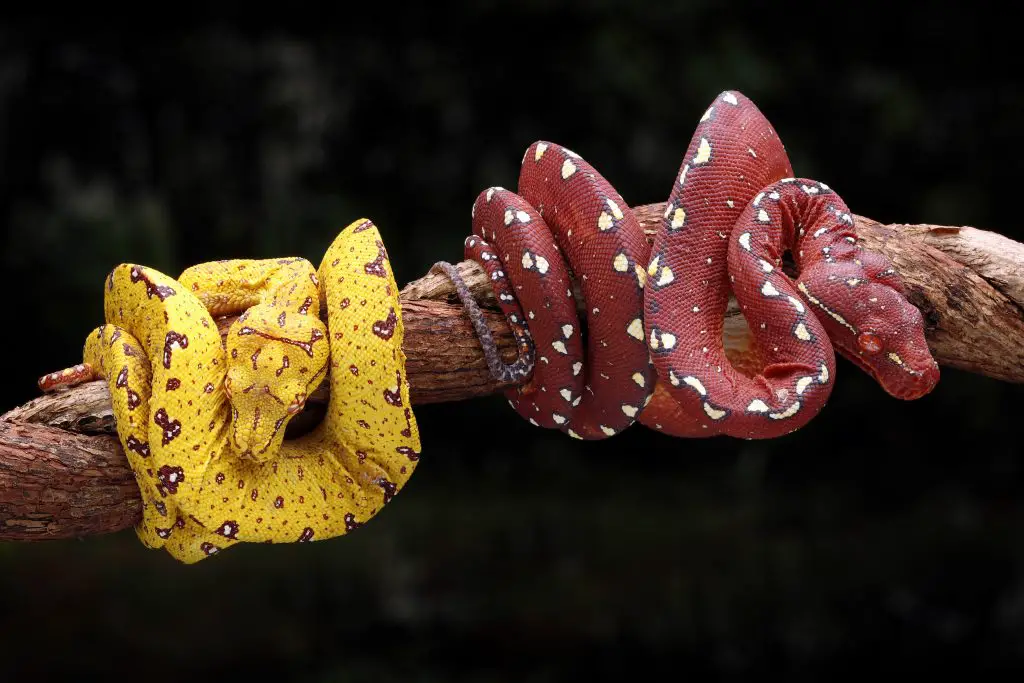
276,358
872,324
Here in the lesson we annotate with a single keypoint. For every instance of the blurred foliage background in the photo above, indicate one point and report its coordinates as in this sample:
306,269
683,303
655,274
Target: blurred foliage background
882,536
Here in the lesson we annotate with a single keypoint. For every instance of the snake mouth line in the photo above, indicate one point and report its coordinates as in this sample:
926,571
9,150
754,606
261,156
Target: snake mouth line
901,391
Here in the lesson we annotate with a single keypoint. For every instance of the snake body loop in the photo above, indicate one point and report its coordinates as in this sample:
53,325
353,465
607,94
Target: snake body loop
202,425
734,211
567,218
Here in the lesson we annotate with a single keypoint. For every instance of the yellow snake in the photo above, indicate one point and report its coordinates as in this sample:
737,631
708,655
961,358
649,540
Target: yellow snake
202,422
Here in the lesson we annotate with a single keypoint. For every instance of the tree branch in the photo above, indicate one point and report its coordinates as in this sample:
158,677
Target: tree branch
62,473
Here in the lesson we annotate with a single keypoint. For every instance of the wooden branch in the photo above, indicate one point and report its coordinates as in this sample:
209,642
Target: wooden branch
62,473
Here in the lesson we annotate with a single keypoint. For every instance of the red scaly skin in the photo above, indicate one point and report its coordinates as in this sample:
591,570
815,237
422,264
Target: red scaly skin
734,210
586,223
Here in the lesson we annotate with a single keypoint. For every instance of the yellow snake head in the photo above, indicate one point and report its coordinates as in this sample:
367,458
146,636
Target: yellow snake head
276,358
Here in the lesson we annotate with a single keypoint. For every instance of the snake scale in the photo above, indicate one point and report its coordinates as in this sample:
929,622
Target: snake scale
202,422
654,315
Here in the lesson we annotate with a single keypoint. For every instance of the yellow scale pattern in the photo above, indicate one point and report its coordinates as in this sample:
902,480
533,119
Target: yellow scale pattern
202,422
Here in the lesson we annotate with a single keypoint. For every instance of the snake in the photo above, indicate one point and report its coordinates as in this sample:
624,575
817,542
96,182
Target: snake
565,218
202,421
736,216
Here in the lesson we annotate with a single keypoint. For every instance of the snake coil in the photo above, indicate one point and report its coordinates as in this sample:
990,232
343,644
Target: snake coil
654,315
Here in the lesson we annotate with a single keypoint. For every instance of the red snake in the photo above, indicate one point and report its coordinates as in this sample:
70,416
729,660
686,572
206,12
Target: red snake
734,211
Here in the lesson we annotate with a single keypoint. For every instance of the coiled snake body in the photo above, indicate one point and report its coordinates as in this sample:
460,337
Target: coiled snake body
203,425
734,211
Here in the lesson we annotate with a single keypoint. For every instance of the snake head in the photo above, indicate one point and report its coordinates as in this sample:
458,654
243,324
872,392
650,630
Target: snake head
871,324
276,358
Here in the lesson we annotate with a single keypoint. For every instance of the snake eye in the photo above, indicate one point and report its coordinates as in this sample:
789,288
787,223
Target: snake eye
869,342
297,404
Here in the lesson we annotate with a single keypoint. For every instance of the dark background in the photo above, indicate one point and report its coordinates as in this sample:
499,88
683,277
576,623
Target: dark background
883,536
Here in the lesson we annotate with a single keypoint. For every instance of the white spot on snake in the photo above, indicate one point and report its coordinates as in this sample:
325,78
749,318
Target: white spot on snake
751,152
802,332
788,412
712,412
707,114
774,196
809,189
823,375
509,216
763,216
568,168
696,309
673,380
629,410
819,232
730,98
797,304
638,378
758,198
824,186
678,219
682,174
802,384
573,434
894,357
576,367
539,151
571,153
527,260
766,267
534,422
665,277
768,289
745,241
532,315
542,266
604,222
621,263
567,330
490,192
614,208
608,430
703,152
558,419
757,406
853,282
636,329
560,347
788,180
522,217
566,394
730,203
695,383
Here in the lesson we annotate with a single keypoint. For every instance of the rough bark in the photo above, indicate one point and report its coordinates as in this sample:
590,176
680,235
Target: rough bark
62,474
